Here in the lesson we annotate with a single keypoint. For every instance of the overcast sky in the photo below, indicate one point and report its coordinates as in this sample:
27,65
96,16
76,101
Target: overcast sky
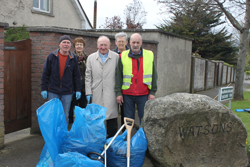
110,8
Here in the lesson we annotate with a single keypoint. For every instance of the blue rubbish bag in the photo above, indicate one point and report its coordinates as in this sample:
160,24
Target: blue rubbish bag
75,159
117,153
45,158
53,126
88,132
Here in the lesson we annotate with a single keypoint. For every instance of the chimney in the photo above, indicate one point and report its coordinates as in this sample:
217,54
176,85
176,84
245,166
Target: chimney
95,13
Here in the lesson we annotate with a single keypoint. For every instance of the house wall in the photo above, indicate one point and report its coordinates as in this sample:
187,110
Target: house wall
21,11
173,55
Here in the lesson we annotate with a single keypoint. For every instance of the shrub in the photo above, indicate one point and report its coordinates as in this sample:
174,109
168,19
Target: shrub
248,72
16,34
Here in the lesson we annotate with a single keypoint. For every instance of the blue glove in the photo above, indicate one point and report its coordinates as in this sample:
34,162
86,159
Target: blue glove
89,97
78,95
44,94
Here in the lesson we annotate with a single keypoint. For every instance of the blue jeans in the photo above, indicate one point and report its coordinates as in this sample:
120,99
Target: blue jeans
129,105
66,102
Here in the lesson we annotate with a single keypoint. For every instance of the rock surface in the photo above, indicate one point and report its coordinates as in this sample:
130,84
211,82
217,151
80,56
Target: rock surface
188,130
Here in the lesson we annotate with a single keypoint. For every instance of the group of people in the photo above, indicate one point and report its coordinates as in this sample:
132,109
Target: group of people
124,76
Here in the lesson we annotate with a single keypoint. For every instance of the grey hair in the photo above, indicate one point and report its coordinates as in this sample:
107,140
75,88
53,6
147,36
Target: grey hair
121,34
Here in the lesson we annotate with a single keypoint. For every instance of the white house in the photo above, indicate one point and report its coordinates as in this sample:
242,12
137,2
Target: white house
58,13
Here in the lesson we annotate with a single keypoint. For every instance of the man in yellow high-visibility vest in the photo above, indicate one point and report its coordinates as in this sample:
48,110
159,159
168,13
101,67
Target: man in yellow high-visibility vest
136,78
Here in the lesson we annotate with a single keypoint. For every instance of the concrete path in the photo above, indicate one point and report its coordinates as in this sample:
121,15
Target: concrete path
23,150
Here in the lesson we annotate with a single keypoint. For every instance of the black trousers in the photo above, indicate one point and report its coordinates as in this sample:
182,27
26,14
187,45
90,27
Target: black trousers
112,127
82,102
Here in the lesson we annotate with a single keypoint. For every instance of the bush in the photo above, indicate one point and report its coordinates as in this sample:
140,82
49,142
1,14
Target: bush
248,72
16,34
247,68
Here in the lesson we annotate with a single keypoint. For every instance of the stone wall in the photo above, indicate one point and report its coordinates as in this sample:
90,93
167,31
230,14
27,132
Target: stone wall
224,75
210,74
199,74
229,70
206,74
2,129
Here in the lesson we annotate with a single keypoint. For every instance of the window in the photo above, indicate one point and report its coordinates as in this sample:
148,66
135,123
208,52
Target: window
42,5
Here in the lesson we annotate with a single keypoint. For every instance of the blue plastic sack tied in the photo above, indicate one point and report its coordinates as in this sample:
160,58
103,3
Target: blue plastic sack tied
88,133
117,153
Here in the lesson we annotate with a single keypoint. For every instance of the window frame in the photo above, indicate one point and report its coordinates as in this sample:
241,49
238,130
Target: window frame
43,12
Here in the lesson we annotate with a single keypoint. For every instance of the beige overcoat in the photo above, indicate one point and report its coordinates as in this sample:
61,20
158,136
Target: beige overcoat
100,81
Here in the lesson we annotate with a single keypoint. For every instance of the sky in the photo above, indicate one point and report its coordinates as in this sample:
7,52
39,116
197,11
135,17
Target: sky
110,8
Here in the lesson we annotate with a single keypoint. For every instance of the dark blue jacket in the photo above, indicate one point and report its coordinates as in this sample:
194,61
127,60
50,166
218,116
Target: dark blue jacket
71,79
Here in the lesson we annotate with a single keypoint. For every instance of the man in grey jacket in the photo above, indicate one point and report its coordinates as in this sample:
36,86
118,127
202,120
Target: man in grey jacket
100,81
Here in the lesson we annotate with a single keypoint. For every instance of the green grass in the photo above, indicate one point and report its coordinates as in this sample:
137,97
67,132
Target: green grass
244,116
248,87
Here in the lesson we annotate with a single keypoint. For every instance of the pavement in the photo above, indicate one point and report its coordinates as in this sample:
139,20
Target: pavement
22,149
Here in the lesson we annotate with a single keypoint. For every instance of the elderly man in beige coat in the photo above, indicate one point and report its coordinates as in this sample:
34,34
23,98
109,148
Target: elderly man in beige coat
100,81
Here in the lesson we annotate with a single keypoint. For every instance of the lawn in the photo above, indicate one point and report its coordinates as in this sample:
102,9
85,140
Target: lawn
244,116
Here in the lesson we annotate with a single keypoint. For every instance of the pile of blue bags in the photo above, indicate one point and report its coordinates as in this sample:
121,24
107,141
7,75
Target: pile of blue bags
88,134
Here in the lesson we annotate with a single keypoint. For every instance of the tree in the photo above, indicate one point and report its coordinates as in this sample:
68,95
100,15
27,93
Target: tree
113,23
234,11
197,23
16,34
135,15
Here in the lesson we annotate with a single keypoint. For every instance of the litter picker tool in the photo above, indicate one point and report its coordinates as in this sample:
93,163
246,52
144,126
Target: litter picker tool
129,123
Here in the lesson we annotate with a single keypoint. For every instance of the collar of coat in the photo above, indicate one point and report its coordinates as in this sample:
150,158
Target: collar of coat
117,51
55,53
109,55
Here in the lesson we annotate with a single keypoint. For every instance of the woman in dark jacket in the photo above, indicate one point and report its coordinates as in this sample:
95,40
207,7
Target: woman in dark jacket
79,44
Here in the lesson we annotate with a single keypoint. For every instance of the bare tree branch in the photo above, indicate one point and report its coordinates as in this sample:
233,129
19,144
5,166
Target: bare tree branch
232,20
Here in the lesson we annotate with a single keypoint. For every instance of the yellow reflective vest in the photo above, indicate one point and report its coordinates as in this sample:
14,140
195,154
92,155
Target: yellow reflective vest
148,58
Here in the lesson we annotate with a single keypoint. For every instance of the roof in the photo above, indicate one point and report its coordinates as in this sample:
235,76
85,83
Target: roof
81,13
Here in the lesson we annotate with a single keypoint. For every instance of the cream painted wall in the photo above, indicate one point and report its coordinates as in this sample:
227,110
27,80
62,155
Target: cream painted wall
20,11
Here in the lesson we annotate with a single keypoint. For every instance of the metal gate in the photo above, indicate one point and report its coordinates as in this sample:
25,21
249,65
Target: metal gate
17,85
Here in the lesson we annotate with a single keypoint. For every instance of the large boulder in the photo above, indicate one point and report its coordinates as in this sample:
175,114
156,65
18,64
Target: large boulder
188,130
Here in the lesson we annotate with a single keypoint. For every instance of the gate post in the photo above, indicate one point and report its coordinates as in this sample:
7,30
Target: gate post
2,129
